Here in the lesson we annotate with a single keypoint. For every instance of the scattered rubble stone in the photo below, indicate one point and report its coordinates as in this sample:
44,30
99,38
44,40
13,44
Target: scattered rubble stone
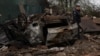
4,48
80,48
19,55
27,54
61,54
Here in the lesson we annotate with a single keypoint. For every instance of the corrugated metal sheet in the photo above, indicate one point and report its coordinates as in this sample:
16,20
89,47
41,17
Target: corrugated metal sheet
97,20
88,25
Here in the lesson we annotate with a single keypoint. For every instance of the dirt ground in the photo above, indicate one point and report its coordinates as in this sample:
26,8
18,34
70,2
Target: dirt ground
83,47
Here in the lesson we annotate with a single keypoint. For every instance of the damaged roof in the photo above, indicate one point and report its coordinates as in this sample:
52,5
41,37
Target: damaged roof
88,25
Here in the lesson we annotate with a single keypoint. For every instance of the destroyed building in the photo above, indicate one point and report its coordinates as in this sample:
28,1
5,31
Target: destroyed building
30,28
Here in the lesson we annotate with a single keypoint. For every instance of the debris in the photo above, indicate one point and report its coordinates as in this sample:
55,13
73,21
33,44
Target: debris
89,37
73,26
4,48
10,54
27,54
57,35
57,49
19,55
97,20
61,54
88,25
34,31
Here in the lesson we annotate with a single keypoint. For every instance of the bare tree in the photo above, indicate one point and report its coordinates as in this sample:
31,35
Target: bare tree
66,5
89,8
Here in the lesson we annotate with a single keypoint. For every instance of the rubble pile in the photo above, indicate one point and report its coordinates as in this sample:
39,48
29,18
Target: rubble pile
25,37
80,48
